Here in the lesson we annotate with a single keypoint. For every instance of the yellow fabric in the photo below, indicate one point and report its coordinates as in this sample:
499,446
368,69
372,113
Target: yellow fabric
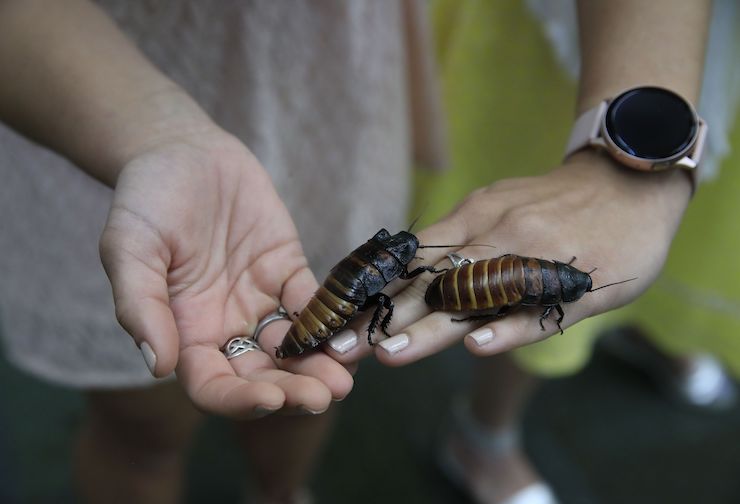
510,108
695,305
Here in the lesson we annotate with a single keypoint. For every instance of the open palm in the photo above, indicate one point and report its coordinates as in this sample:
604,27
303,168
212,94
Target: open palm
199,247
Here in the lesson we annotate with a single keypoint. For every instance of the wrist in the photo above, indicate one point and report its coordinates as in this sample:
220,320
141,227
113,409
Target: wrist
163,116
664,192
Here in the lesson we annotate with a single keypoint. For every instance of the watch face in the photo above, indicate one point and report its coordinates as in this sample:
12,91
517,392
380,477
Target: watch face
651,123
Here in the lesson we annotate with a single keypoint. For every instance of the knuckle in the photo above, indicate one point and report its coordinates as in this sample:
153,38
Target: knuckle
524,219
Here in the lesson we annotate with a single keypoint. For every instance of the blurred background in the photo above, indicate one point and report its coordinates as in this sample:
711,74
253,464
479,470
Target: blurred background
604,435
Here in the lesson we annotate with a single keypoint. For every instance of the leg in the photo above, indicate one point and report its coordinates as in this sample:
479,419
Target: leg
485,316
388,305
561,316
283,451
475,318
381,301
132,445
374,300
548,311
406,275
485,445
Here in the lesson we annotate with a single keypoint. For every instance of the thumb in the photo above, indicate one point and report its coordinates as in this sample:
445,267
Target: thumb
138,276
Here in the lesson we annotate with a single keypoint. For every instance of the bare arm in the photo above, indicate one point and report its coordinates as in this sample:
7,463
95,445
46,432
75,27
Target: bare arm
73,82
630,43
195,227
607,216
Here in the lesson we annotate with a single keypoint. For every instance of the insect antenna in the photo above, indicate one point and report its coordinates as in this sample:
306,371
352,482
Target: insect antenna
592,270
449,246
614,283
413,222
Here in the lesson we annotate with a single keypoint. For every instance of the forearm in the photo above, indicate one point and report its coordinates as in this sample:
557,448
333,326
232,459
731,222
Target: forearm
74,83
629,43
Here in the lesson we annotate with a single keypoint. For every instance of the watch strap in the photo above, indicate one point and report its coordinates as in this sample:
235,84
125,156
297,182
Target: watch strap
586,128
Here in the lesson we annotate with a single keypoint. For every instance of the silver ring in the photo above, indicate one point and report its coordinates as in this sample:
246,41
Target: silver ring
279,314
240,345
457,260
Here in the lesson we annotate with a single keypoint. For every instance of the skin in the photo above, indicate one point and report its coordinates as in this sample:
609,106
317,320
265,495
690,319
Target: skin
608,217
195,221
192,238
611,218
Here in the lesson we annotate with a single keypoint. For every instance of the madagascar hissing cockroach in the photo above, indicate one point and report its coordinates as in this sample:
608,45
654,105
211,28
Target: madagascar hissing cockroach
354,285
503,283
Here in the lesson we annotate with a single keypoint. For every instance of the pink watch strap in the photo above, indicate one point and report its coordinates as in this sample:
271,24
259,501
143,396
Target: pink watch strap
586,128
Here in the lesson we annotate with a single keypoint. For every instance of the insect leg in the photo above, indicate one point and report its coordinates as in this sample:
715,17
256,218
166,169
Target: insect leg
548,311
380,301
418,271
388,305
561,315
473,318
544,315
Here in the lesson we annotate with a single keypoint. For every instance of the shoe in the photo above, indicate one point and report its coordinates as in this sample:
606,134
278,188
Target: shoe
488,445
698,381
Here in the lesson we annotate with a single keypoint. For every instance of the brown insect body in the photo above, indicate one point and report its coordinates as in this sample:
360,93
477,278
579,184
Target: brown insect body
502,283
353,285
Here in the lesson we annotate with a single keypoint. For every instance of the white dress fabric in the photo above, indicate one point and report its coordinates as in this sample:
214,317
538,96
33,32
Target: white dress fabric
317,90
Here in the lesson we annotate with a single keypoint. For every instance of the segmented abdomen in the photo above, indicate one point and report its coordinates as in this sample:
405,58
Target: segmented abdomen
509,280
328,311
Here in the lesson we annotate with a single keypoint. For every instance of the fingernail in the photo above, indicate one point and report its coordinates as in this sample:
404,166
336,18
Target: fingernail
395,344
308,411
482,336
149,356
344,341
260,411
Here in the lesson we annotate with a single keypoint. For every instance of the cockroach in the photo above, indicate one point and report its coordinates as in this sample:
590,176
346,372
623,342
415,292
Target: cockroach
352,286
498,285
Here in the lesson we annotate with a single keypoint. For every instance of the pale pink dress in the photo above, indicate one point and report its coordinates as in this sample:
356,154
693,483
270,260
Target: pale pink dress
319,91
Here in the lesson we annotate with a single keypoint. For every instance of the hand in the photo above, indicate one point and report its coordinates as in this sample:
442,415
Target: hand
198,247
608,217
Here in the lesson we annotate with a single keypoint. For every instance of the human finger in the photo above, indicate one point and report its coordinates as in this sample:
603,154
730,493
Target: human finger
212,384
141,296
303,394
313,363
353,343
297,291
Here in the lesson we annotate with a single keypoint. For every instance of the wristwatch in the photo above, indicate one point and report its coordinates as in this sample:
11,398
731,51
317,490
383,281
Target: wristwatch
645,128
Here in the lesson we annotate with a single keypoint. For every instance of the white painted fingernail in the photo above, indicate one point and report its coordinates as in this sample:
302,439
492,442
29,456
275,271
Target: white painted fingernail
344,341
261,411
308,411
395,344
149,356
482,336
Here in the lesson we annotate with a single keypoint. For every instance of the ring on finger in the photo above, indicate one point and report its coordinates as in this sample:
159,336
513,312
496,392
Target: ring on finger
239,345
279,314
